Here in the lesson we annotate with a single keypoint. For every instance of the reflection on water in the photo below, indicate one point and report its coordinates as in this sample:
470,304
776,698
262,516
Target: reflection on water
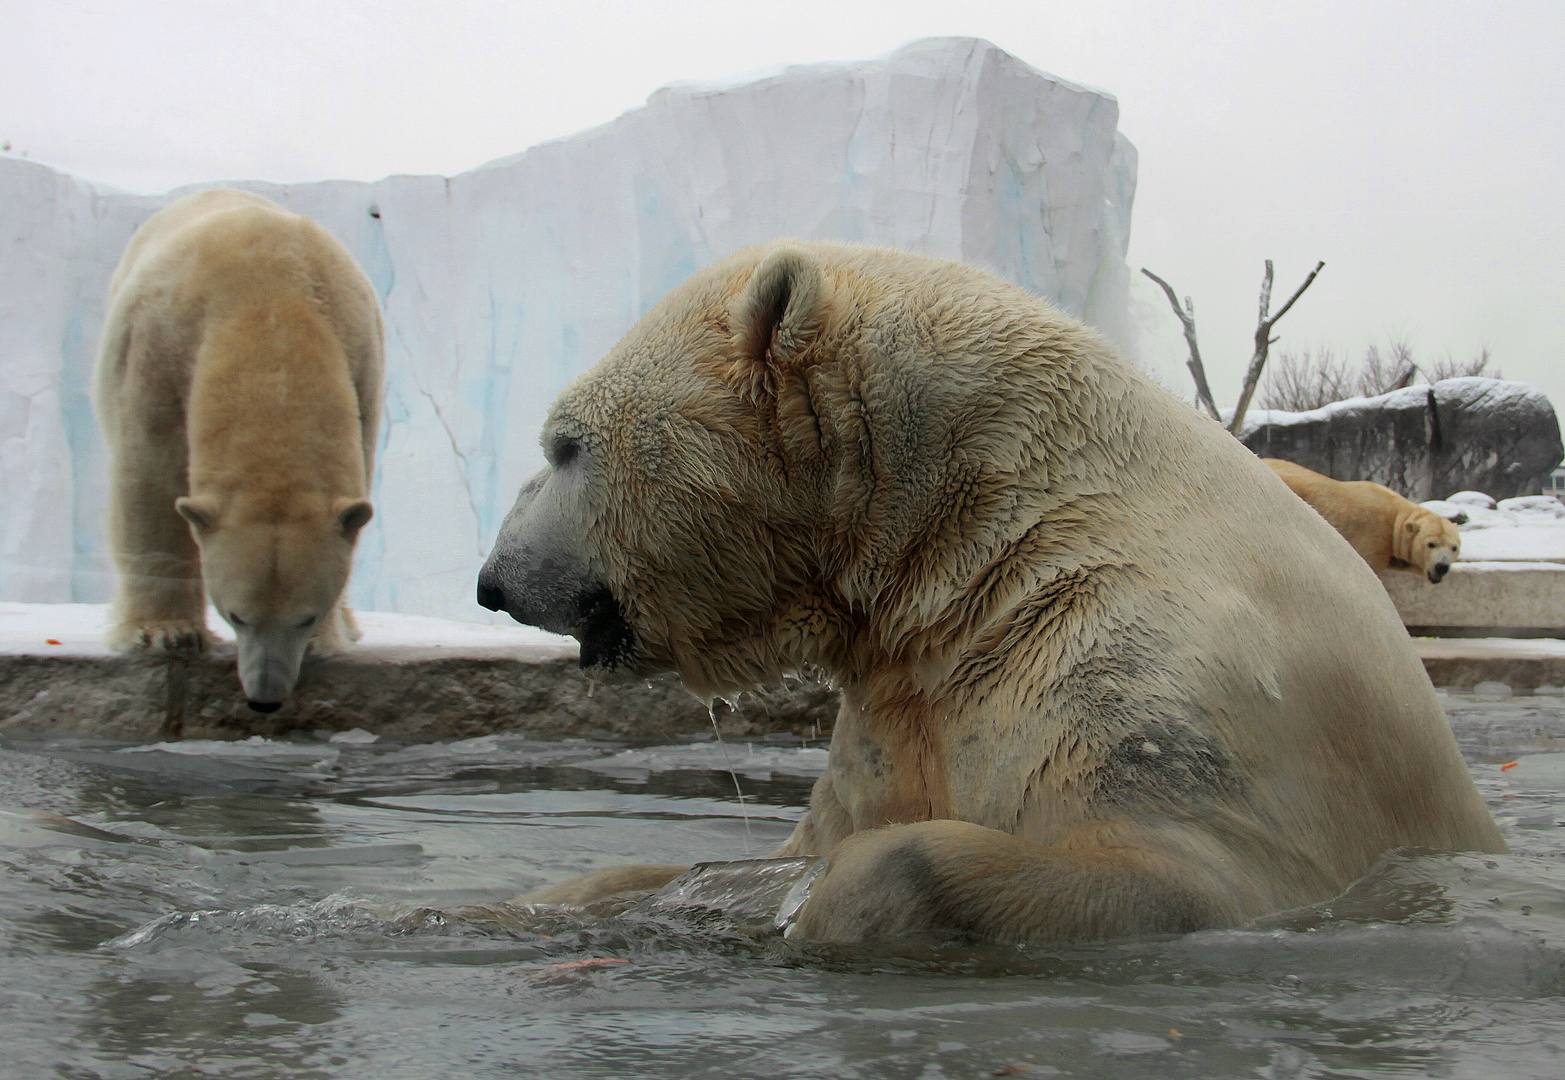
339,909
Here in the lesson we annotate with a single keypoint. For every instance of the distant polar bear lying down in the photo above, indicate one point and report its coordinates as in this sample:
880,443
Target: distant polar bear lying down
1390,532
1076,703
239,388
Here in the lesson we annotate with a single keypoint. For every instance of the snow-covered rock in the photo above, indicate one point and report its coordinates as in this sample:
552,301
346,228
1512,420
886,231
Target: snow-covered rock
1496,436
1449,510
1472,498
502,284
1532,507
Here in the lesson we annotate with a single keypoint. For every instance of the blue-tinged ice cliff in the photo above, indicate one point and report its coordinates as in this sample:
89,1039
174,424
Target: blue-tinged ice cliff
502,284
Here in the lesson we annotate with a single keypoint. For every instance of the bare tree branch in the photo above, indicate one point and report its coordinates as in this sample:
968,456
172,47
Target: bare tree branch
1203,392
1296,292
1264,341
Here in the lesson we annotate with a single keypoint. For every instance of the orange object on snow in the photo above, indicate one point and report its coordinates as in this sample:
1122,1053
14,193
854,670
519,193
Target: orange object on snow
51,641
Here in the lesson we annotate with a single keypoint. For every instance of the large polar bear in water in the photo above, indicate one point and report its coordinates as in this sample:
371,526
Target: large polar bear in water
239,388
1088,688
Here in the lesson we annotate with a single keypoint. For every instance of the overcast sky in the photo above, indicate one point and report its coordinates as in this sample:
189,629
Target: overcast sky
1414,145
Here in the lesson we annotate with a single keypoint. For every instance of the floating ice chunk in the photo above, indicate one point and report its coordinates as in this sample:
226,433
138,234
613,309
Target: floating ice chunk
254,747
355,737
756,761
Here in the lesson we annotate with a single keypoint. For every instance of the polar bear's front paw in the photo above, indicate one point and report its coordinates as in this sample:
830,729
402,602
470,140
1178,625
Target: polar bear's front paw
176,635
337,631
350,625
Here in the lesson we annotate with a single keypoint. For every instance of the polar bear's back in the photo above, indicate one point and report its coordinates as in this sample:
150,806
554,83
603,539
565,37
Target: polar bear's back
219,244
206,263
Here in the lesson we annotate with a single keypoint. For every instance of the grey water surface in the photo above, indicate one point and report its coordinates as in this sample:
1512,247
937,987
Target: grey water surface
316,908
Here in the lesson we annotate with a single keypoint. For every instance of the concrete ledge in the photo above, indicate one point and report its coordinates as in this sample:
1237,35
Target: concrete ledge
1466,662
410,678
1510,599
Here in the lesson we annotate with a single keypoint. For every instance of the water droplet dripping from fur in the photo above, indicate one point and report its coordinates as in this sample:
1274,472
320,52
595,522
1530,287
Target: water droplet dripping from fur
744,809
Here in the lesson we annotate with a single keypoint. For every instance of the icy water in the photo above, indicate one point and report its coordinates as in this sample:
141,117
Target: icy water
334,909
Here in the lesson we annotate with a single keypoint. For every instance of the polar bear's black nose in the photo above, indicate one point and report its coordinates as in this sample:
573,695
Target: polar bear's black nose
265,706
490,596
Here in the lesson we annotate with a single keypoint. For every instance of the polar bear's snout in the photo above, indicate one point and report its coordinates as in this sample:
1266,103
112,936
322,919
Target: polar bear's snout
552,595
538,590
536,575
530,574
1439,560
269,662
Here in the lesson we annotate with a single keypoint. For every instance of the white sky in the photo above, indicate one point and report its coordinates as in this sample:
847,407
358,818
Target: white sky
1414,145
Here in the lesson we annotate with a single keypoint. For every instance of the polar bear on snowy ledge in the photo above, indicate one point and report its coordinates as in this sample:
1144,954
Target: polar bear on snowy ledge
239,387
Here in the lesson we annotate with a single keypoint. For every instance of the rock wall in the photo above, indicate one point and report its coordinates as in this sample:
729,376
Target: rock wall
453,697
1424,442
502,284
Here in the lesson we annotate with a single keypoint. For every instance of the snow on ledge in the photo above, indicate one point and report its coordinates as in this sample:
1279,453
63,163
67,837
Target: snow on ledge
27,630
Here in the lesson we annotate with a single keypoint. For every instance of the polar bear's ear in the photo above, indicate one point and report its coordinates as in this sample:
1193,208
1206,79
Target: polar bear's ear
200,513
776,318
353,515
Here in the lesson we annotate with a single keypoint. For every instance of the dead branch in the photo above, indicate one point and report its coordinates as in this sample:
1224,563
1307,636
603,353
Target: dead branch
1264,341
1203,392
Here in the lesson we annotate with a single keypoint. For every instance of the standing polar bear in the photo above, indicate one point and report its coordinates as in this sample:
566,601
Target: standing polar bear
1388,531
239,387
1081,698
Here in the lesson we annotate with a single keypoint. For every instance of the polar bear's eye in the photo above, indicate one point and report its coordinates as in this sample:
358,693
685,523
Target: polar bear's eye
563,451
305,624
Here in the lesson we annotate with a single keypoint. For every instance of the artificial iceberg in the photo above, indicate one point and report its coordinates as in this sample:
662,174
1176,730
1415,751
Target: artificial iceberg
502,284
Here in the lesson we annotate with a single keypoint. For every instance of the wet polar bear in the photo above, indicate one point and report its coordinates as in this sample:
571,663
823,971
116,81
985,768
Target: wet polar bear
1083,696
239,388
1388,531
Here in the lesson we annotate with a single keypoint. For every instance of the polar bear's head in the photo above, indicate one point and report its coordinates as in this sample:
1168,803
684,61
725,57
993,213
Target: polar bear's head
796,458
275,567
1432,543
666,526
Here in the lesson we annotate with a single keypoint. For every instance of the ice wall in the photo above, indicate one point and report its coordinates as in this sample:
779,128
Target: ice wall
502,284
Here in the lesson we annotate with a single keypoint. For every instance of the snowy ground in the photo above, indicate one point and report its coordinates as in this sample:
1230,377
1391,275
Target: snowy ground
1520,543
78,629
1528,529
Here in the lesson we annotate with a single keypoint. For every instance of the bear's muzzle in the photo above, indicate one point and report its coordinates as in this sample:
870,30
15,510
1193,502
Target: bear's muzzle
562,603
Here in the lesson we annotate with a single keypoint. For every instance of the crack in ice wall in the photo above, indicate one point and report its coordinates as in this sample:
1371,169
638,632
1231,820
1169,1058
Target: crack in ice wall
462,470
503,284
